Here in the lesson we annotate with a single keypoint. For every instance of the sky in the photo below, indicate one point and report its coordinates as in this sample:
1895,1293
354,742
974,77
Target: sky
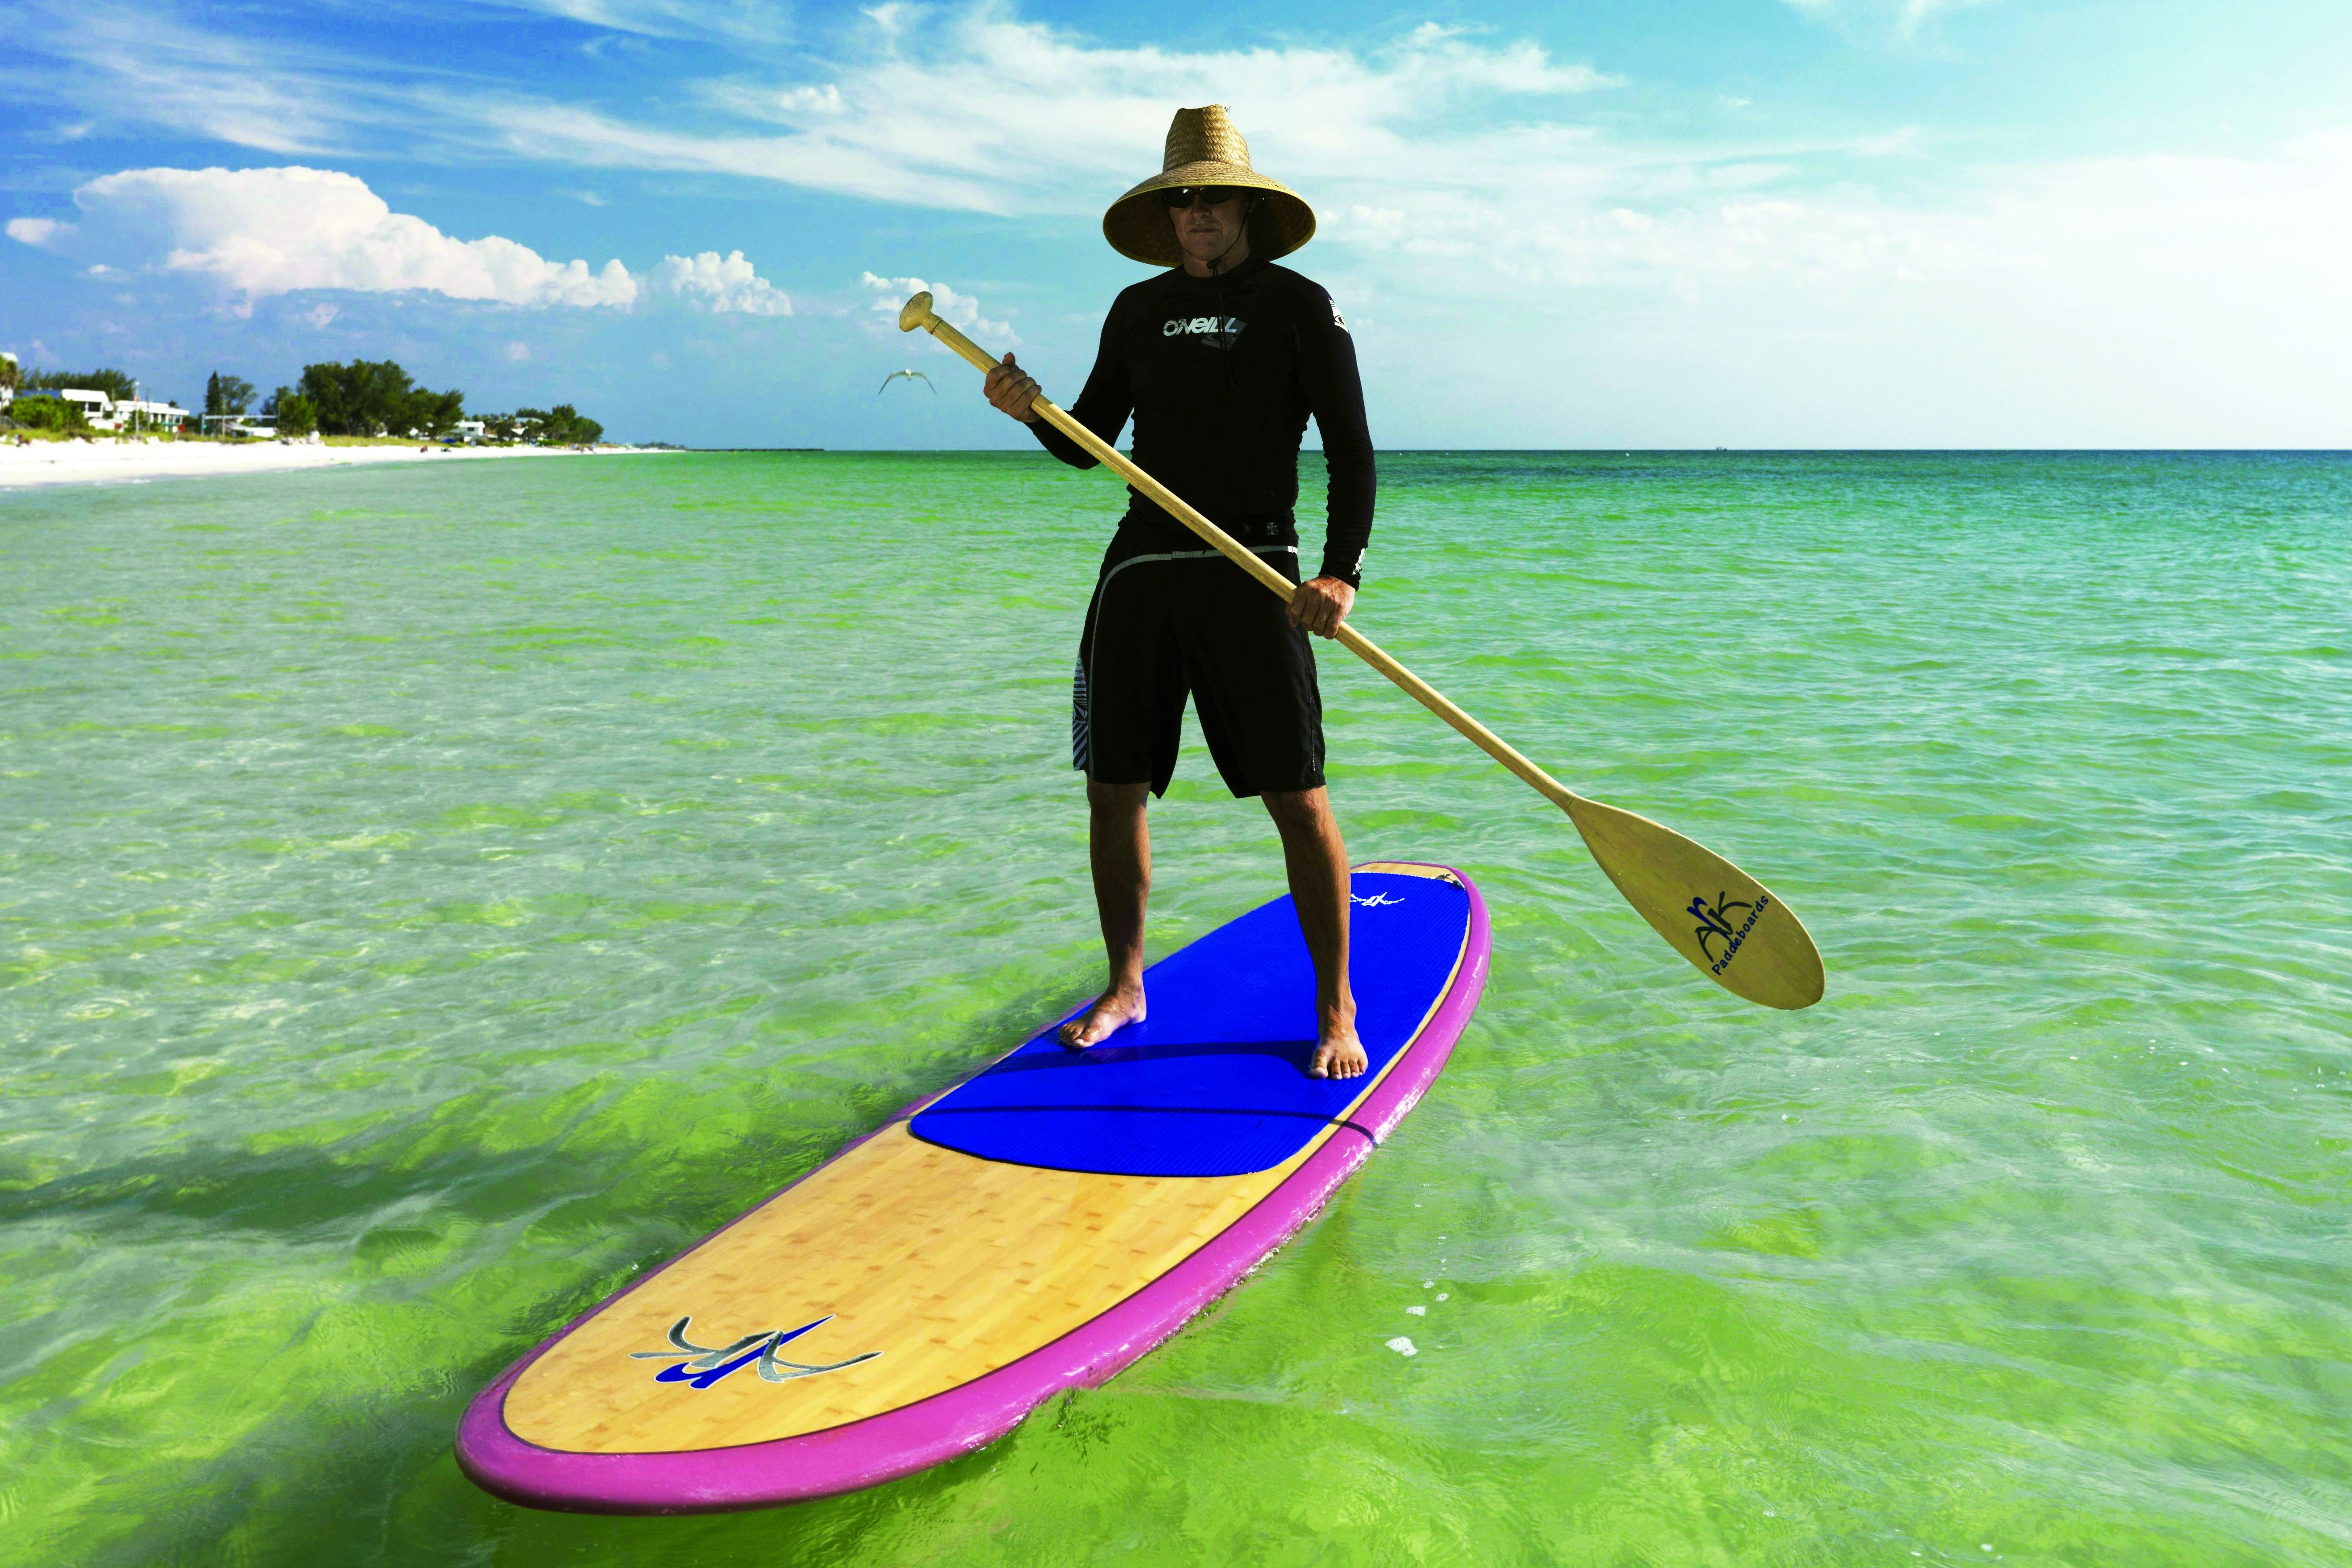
1735,223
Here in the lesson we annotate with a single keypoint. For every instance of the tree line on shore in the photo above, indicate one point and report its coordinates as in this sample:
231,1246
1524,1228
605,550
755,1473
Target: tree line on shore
115,383
37,412
365,398
377,397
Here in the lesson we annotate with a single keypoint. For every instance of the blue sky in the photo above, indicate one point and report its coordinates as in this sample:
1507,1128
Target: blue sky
1784,223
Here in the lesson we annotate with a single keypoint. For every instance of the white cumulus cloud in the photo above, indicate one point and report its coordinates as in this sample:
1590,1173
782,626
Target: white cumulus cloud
37,230
723,284
958,310
260,232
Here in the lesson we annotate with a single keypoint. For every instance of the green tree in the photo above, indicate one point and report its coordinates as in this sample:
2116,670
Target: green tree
433,412
362,398
293,413
46,411
562,426
377,397
115,383
228,394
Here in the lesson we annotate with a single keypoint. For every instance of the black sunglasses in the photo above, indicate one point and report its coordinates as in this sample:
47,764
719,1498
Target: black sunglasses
1181,197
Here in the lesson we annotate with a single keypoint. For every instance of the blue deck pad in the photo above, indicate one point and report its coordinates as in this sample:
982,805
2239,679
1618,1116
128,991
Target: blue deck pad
1214,1083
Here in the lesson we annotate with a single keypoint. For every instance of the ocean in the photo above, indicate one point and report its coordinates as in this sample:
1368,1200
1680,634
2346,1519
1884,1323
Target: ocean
429,898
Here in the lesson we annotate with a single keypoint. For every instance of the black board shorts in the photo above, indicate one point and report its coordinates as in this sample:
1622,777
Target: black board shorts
1169,625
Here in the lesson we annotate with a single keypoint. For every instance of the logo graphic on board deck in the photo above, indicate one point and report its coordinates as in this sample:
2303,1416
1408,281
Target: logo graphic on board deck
1714,925
700,1366
1377,901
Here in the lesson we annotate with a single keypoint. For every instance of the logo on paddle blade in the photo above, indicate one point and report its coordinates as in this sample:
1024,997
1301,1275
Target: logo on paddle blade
1714,925
700,1366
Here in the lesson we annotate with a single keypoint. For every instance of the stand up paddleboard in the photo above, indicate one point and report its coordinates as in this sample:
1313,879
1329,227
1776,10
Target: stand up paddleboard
1036,1227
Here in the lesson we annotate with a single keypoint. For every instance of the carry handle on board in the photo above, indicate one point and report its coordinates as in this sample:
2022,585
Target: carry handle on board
1708,909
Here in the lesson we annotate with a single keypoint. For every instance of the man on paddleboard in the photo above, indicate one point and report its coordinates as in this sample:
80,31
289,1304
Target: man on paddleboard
1221,360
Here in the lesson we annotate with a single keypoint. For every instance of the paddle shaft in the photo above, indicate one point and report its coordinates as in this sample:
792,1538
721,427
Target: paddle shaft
1354,641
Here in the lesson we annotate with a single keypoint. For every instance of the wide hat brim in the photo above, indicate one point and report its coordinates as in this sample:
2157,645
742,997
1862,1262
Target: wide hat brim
1139,228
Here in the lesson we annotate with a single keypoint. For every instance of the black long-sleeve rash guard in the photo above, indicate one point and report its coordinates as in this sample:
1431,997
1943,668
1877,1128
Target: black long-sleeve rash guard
1221,375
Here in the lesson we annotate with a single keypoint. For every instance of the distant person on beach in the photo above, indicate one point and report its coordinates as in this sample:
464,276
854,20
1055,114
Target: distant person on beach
1221,360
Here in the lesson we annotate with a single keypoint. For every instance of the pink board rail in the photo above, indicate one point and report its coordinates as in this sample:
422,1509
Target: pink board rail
969,1417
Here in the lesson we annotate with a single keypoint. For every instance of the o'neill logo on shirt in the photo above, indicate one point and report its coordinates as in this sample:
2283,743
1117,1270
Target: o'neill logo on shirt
700,1366
1714,925
1217,331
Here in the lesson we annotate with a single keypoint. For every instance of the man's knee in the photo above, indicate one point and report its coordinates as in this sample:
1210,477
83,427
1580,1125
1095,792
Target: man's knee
1298,810
1115,800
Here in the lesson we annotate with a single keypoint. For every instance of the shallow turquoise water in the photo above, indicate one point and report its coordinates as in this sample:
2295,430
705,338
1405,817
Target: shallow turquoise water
426,898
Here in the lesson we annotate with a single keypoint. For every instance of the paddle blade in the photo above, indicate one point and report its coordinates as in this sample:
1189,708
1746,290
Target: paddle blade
1713,913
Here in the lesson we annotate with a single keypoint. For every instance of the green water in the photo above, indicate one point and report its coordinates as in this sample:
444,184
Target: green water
428,897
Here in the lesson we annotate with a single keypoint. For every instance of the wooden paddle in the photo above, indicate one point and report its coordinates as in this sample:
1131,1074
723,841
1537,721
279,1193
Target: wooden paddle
1708,909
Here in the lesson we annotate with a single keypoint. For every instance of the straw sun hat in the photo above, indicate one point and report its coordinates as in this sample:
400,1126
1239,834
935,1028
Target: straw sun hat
1204,149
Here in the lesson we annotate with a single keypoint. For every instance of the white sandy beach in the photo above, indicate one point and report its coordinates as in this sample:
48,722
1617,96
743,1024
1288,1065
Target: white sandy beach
88,462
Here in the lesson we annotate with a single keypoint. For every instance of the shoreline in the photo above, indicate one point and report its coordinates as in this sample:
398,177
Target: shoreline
129,462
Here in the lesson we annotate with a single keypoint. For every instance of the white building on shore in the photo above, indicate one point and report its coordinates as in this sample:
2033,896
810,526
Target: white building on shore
105,412
145,413
96,406
253,427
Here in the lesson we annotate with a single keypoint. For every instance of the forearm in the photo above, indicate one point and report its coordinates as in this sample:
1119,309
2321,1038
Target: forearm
1347,528
1336,395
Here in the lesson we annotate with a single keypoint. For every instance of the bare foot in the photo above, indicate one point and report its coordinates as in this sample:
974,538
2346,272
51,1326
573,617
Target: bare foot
1112,1011
1339,1055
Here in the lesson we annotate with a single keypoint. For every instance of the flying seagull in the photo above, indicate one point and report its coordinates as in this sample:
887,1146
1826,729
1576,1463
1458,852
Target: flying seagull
907,375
